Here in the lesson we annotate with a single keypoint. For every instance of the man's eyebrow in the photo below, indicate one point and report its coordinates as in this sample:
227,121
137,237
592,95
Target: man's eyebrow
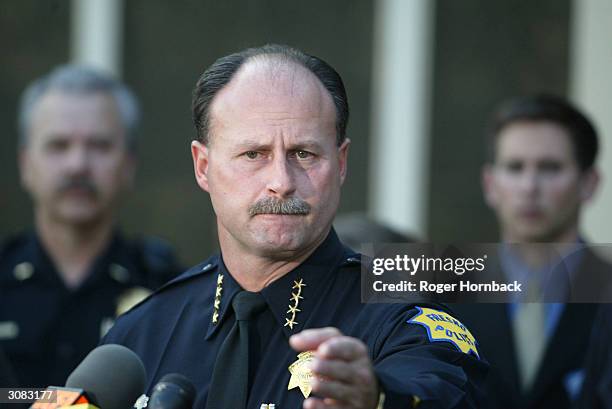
251,144
55,136
307,143
258,144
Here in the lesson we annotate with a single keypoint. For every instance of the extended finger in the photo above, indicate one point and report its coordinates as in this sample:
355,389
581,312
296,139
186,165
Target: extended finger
342,347
334,389
310,339
334,369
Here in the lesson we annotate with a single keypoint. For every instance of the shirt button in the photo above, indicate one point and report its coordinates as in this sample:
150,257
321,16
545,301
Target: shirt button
23,271
119,273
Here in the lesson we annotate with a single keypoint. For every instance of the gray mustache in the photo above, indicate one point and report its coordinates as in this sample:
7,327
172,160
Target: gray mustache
270,205
78,183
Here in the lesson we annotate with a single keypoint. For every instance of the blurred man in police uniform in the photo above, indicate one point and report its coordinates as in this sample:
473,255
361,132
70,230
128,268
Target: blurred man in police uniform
63,283
276,320
540,172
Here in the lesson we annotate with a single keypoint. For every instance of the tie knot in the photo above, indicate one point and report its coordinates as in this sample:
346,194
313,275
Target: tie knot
246,305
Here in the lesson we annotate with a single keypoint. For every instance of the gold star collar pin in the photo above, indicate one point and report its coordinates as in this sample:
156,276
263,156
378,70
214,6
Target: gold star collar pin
294,301
217,302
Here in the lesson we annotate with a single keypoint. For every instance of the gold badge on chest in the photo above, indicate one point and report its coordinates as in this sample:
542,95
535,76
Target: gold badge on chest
301,374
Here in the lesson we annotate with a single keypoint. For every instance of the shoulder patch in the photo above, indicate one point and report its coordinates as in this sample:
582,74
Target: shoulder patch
442,327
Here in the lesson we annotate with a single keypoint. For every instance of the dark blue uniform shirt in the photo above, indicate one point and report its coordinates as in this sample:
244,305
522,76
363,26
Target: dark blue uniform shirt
46,329
173,332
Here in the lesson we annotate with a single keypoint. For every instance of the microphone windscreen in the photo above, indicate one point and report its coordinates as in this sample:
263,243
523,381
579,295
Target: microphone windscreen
112,374
180,380
173,391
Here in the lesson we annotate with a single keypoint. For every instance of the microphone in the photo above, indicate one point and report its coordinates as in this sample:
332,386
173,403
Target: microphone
112,374
110,377
173,391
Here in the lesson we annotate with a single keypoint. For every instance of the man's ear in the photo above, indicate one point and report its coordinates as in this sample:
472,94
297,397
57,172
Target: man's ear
488,185
199,153
589,182
343,158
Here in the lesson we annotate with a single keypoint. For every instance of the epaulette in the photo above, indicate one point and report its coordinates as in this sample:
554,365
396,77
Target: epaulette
196,271
351,258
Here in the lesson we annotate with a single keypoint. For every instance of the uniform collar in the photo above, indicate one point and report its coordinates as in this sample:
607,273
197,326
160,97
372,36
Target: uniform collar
117,262
224,291
306,281
292,297
113,262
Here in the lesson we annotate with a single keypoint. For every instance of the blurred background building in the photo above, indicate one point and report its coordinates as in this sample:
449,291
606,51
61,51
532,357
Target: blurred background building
422,77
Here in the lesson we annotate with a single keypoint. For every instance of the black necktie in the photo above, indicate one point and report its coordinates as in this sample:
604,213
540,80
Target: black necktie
230,381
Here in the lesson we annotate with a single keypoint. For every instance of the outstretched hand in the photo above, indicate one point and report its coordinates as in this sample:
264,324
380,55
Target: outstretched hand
343,375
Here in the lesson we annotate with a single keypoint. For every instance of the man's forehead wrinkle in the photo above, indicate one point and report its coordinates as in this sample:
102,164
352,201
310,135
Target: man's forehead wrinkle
270,117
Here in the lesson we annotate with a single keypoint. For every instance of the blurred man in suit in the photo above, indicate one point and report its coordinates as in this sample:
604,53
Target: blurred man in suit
539,173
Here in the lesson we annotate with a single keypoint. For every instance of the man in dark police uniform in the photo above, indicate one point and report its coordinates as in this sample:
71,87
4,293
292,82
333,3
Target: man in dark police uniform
276,320
62,284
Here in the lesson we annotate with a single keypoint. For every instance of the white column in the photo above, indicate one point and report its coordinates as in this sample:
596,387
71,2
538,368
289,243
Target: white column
97,34
591,88
399,140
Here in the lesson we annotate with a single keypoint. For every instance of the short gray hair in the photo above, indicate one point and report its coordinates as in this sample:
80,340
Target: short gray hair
80,80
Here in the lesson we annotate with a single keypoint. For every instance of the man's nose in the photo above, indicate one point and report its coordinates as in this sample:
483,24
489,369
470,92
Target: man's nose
77,160
529,181
281,178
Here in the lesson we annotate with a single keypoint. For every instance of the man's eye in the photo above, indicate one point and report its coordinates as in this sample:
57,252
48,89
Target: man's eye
514,167
57,145
550,167
303,154
251,154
